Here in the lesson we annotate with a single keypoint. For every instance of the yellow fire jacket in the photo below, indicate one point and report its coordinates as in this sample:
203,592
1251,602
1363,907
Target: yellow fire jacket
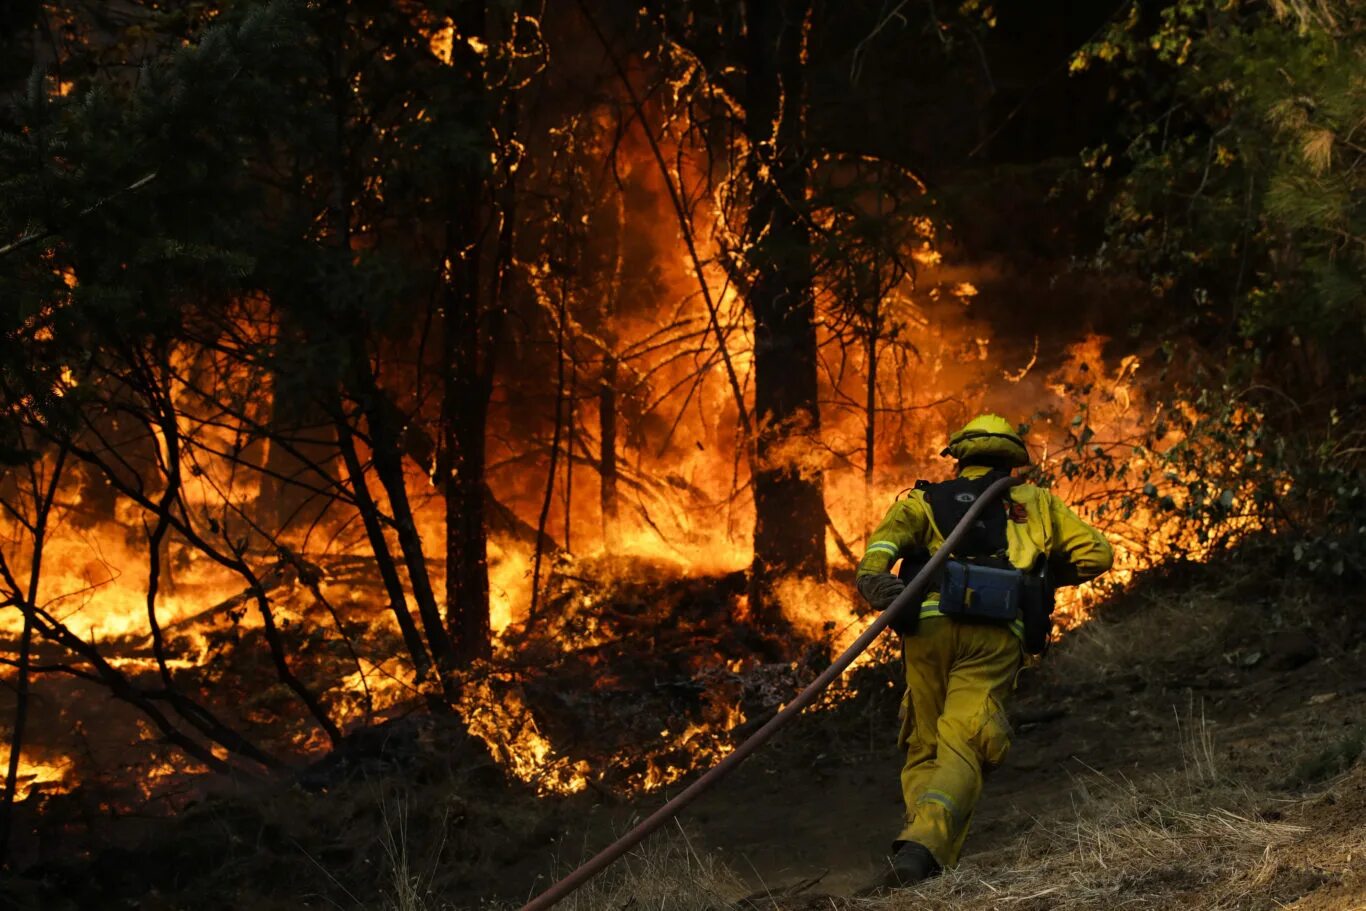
1041,524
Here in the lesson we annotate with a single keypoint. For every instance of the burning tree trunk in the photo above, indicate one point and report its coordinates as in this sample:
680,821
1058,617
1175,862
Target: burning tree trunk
789,531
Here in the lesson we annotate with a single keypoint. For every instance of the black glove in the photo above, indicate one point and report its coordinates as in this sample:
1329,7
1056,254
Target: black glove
880,590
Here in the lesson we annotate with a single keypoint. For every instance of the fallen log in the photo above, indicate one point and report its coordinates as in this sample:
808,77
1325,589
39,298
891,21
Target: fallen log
278,575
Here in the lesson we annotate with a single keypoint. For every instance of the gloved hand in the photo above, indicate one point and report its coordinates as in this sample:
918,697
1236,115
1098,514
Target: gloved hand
880,590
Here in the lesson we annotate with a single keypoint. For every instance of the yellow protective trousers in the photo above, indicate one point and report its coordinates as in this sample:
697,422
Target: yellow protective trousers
958,678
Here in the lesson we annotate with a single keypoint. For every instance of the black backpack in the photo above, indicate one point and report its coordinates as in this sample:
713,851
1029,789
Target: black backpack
981,555
949,501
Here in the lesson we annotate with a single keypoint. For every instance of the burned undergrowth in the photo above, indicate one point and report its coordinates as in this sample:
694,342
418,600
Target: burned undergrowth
625,654
630,677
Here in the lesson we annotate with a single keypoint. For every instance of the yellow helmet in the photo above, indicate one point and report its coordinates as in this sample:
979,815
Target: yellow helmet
988,439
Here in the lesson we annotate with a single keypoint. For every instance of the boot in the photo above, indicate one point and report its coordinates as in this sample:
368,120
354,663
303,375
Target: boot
912,863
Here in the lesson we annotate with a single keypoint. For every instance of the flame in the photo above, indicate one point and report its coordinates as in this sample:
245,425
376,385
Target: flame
442,42
36,776
509,729
1120,422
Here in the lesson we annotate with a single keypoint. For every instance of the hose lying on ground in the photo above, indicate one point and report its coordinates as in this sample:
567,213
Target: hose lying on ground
911,595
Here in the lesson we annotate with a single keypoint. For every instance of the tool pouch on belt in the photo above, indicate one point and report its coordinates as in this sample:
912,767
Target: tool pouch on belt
1036,611
981,593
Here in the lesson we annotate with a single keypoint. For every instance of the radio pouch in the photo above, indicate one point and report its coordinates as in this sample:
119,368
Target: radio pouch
981,593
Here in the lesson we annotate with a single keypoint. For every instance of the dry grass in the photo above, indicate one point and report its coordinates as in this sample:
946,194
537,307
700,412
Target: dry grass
411,884
1162,631
664,874
1197,747
1130,845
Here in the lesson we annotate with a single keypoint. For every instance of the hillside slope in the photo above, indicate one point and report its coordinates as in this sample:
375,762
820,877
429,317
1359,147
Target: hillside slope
1194,746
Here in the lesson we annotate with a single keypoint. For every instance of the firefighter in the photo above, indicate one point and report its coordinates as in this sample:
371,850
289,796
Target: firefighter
961,667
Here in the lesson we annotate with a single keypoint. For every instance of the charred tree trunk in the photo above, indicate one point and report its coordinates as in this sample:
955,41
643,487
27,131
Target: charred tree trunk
467,572
607,390
570,434
464,413
789,530
870,426
467,384
386,433
607,460
560,358
296,416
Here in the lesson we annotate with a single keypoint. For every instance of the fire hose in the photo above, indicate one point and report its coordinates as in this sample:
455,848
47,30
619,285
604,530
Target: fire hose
911,594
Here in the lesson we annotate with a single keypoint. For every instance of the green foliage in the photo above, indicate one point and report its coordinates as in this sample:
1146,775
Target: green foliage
122,198
1229,148
1239,190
